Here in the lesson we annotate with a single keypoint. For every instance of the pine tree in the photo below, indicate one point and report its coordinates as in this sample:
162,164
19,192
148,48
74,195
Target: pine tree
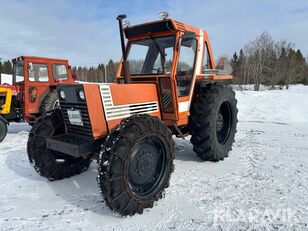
101,72
111,71
241,68
7,68
1,67
234,60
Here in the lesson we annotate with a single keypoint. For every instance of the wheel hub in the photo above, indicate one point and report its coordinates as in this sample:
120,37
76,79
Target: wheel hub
146,165
219,122
223,122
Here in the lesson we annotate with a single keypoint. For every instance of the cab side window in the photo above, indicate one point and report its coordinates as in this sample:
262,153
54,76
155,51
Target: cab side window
206,59
186,66
38,73
59,72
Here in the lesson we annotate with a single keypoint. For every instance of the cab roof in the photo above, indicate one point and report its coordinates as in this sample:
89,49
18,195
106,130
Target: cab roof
36,58
167,25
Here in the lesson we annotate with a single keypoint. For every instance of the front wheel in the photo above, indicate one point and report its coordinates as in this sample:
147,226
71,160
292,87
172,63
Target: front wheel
48,163
135,164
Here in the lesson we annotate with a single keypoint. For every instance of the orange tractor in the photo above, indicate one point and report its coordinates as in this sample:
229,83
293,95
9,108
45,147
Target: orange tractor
167,85
32,92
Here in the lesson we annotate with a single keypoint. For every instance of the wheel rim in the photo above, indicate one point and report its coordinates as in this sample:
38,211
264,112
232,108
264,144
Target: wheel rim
223,122
147,166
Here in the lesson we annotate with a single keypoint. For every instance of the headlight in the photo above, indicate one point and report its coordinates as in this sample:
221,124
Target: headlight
81,95
62,94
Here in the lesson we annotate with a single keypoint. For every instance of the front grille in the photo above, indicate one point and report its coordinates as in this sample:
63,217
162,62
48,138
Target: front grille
75,129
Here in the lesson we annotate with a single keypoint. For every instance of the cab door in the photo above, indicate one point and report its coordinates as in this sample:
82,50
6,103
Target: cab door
36,85
185,75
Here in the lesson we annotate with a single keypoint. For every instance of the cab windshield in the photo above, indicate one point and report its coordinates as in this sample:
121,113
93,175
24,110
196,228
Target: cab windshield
18,72
151,56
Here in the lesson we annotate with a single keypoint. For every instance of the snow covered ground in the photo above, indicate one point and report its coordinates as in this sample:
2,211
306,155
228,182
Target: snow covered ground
262,185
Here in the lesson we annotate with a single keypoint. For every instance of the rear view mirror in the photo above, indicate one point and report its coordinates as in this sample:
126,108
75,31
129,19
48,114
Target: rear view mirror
30,66
224,65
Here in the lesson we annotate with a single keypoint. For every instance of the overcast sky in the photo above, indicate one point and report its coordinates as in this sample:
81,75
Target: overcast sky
86,32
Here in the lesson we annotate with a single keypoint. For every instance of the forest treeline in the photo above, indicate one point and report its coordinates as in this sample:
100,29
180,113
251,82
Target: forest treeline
269,62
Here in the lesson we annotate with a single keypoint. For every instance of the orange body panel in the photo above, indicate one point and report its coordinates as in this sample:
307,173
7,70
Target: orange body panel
108,104
128,99
133,93
95,109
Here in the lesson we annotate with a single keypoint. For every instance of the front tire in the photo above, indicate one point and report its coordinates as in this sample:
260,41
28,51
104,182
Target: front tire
3,129
135,164
51,164
213,122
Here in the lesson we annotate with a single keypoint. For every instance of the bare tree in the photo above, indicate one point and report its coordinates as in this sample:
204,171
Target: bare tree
258,52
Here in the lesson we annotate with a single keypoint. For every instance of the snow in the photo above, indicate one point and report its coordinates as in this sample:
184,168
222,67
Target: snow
5,78
265,175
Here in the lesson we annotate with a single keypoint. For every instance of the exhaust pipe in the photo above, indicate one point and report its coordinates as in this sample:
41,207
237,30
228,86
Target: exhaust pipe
125,65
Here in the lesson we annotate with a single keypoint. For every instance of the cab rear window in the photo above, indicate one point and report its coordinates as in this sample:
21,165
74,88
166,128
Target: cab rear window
59,72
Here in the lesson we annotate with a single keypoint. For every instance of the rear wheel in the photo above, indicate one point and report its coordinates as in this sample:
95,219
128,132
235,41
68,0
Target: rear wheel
135,164
50,102
3,129
213,122
51,164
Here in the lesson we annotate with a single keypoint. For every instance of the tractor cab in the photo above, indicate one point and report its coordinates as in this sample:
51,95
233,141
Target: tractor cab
33,79
175,57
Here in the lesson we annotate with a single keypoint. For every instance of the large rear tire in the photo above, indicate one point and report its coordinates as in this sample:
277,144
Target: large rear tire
135,164
51,164
3,129
50,102
213,122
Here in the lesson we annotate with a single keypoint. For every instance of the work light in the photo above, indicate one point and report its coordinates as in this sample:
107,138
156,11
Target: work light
163,15
81,94
62,94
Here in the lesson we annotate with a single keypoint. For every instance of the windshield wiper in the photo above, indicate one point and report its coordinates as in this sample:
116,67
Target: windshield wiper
160,51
